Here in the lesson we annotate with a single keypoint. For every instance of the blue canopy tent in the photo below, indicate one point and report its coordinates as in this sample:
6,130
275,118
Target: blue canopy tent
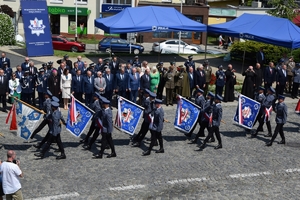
148,19
261,28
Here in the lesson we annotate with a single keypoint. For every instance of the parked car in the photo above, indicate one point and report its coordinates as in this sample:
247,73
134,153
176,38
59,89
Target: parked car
171,46
119,45
60,42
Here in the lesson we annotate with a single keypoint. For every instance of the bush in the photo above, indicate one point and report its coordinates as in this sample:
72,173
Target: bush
7,36
272,53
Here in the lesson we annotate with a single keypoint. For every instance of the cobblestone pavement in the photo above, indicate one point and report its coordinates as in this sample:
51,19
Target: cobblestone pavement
243,169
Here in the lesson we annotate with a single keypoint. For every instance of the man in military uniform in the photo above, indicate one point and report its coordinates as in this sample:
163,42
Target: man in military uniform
259,97
27,82
178,81
220,80
169,85
199,101
208,71
266,106
55,129
216,122
148,104
106,129
156,126
189,63
281,116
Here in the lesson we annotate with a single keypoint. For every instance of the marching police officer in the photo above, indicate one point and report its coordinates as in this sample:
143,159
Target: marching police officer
27,82
156,126
259,97
107,128
149,106
55,129
217,113
281,116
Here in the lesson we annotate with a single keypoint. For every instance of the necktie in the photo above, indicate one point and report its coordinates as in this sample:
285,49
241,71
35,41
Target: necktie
78,78
100,80
271,70
121,76
31,70
108,77
90,80
1,79
147,77
191,76
135,76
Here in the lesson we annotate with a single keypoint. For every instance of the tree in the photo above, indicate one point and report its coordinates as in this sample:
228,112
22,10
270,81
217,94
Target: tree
283,8
7,36
7,10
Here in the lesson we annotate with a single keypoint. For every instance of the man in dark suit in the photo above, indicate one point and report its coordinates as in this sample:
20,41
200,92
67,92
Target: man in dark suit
260,58
281,79
269,75
200,77
7,70
25,65
88,88
19,73
114,65
99,65
133,85
191,80
33,72
68,62
4,59
77,82
121,83
145,84
110,84
3,89
27,83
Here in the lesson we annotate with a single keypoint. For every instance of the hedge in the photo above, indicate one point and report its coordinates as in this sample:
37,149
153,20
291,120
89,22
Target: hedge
7,36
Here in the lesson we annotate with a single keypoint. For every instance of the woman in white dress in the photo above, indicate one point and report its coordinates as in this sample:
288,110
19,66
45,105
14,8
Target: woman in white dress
65,86
14,87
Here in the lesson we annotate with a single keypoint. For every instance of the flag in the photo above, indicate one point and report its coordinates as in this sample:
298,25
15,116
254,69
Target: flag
78,117
128,115
297,109
187,114
27,119
246,112
13,122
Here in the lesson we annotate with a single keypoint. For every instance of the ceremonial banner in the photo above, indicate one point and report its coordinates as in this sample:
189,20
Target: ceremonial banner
24,119
187,114
128,115
246,112
78,117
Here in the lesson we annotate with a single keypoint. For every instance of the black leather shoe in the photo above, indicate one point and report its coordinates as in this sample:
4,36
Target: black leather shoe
112,155
202,135
155,144
56,150
167,104
194,141
160,151
146,153
268,135
87,147
38,146
281,142
61,156
253,135
211,140
202,146
262,130
269,144
219,146
107,147
137,144
98,156
39,155
82,141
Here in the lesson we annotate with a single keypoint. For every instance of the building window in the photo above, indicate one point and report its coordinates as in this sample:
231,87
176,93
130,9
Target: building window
81,25
81,1
56,1
117,2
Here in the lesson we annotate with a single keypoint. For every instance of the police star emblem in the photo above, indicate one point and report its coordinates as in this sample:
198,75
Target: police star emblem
37,27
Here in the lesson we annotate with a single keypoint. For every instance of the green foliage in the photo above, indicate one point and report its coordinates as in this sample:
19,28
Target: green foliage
272,53
7,36
283,8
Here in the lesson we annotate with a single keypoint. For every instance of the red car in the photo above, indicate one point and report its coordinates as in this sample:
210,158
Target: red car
60,42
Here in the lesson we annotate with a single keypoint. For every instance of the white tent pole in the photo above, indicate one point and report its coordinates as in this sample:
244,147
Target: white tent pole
179,37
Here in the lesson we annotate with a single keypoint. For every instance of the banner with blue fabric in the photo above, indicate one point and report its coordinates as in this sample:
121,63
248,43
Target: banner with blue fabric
246,112
37,28
27,120
128,116
78,117
187,114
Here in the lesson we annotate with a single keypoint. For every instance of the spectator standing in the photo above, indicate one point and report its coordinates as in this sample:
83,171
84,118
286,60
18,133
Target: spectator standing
289,69
249,82
269,75
260,58
15,87
296,82
154,79
200,79
11,173
133,84
169,85
259,76
121,83
220,82
65,86
76,86
229,85
208,72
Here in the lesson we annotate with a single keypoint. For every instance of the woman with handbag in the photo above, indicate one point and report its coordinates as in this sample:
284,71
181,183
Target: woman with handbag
229,84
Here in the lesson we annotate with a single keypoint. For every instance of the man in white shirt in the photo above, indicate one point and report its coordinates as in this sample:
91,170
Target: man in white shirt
11,172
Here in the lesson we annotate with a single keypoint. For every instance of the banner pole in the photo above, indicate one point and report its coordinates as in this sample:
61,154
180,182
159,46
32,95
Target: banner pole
30,106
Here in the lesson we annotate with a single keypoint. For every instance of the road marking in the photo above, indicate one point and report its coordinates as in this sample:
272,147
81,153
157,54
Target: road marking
249,175
60,196
292,170
129,187
187,180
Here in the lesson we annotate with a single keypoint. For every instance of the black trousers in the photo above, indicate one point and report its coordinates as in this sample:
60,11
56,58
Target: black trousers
155,135
261,124
267,86
90,132
41,99
39,128
192,130
212,130
142,133
50,140
278,128
3,100
295,89
108,94
122,93
280,89
88,99
45,139
107,140
219,90
78,96
33,97
26,97
203,125
258,118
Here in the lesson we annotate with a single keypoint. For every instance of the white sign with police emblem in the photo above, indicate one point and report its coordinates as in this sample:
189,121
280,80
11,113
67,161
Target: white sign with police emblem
37,27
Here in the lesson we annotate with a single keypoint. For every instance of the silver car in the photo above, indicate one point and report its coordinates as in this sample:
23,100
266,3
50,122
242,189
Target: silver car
171,46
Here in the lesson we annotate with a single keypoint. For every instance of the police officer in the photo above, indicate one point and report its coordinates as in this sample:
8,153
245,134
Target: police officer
189,63
156,127
266,105
216,121
55,129
281,116
47,109
41,83
107,128
27,82
96,106
199,101
220,82
149,106
136,62
259,97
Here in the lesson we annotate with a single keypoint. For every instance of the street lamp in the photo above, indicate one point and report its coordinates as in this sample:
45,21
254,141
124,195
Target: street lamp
179,36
